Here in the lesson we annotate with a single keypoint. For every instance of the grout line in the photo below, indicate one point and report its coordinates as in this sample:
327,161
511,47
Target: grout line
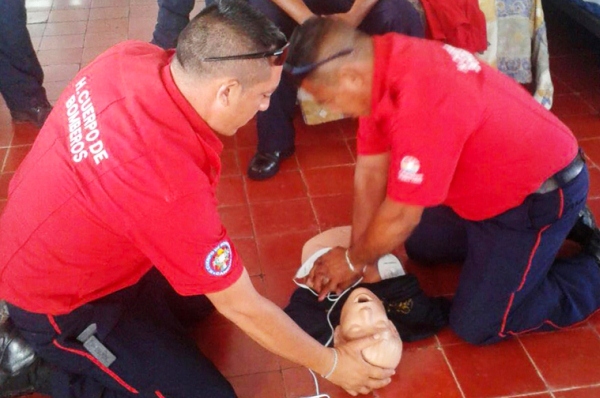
462,393
537,370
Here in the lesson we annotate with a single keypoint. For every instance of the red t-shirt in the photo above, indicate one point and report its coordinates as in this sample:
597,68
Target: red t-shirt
121,178
459,132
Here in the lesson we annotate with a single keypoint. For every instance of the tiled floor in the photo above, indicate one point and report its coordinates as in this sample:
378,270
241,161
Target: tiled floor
269,221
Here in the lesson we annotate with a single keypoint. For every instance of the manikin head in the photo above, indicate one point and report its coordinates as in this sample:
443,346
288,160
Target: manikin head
334,63
363,315
227,93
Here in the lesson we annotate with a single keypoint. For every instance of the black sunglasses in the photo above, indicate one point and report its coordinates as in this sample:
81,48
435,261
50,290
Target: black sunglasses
280,55
301,71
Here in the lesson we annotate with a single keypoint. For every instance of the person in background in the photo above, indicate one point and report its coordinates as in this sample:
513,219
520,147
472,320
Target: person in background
21,76
276,134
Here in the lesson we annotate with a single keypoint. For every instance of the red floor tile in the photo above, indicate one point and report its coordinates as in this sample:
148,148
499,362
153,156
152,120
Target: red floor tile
237,221
583,126
330,180
14,157
268,384
299,383
24,134
592,392
277,217
279,284
283,251
330,154
285,185
570,104
248,252
319,134
484,371
232,351
591,147
247,136
4,181
230,191
594,181
229,163
333,211
566,359
422,373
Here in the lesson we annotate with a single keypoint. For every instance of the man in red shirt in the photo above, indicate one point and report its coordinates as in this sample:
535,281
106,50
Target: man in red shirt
459,163
111,225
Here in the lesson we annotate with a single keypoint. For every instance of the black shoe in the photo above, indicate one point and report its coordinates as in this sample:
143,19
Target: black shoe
584,229
266,164
35,378
21,372
36,115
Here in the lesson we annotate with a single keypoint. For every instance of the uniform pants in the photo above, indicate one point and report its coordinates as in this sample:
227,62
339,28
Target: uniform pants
173,16
275,127
511,281
142,327
21,75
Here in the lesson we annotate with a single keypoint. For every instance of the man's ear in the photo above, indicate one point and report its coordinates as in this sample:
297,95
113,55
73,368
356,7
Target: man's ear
350,78
228,92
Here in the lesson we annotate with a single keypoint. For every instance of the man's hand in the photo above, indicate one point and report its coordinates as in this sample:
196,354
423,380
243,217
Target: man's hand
353,373
331,273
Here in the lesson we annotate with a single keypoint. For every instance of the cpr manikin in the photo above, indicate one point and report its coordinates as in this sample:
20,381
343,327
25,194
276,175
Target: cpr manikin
363,313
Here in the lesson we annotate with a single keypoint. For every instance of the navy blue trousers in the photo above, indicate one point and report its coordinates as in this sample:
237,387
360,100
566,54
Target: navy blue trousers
21,75
511,281
144,327
173,16
275,126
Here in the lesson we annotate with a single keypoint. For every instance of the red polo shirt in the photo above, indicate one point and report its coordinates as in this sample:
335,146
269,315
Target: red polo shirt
121,178
459,132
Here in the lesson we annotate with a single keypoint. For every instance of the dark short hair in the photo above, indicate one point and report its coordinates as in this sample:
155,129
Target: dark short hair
227,27
317,38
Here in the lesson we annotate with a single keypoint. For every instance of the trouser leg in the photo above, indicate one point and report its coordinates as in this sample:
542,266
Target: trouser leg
511,281
173,16
154,355
21,75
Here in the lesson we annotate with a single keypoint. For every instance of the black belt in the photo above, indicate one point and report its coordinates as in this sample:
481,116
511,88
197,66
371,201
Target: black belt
564,176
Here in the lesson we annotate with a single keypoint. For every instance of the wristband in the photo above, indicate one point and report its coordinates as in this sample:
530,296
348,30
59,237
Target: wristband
335,361
349,262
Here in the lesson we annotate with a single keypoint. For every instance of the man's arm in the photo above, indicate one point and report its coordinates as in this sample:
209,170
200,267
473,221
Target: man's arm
296,9
358,12
370,183
269,326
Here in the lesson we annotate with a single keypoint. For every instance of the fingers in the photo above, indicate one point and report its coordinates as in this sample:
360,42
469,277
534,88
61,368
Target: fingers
377,384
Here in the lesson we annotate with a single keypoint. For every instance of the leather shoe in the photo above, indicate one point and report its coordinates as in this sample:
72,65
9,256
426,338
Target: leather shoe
21,372
266,164
584,228
36,115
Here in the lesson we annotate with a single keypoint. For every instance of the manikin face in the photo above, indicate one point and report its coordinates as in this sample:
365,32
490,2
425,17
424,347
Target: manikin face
363,315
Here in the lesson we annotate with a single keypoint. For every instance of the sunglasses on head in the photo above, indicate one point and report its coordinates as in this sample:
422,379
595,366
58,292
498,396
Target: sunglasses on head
301,71
279,54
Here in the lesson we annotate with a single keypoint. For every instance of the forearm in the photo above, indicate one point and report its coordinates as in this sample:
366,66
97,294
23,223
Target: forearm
360,9
296,9
270,327
369,194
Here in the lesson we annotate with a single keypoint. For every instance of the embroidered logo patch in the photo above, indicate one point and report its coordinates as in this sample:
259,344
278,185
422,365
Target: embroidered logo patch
218,261
465,61
409,170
